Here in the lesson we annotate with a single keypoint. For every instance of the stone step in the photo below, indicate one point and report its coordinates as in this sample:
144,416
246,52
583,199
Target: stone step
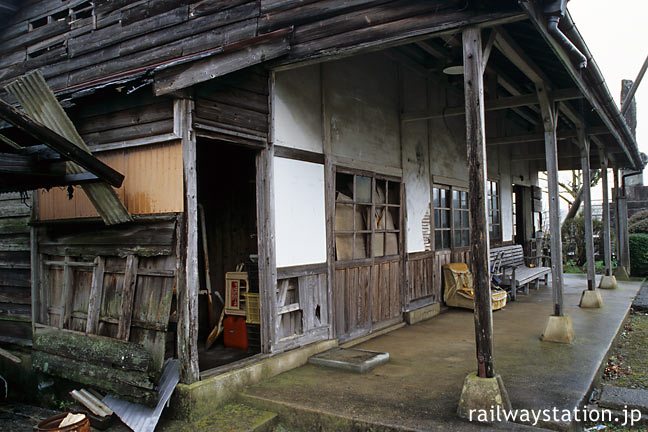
233,417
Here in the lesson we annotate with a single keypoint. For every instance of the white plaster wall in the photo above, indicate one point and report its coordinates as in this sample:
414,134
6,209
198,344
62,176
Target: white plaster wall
361,99
300,222
506,195
416,160
297,109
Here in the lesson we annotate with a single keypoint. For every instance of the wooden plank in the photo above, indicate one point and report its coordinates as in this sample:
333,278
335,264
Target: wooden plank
92,349
68,292
183,76
301,270
364,288
127,296
338,299
133,385
96,296
607,255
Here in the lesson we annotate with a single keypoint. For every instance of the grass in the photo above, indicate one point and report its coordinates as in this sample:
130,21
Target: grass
571,267
628,364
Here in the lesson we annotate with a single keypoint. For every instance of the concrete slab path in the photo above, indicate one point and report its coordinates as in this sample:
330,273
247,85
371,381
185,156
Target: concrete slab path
420,386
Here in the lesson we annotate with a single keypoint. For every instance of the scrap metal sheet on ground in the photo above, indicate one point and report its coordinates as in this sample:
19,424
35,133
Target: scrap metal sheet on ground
141,418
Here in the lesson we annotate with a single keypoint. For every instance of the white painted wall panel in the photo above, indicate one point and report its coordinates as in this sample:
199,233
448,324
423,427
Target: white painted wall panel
300,222
297,109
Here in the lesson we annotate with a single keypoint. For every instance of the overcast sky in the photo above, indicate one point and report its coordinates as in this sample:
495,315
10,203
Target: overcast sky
616,32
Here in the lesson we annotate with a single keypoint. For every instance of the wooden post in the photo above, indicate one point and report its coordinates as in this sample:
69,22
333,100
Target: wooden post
266,235
615,199
622,224
476,151
549,114
188,293
587,203
36,298
607,255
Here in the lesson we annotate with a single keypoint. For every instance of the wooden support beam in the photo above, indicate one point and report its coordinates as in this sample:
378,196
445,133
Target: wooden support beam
127,298
476,152
494,105
488,49
231,58
539,137
188,294
607,251
587,204
63,146
549,119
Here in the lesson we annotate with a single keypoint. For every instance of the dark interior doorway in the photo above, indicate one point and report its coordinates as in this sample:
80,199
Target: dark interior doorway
226,176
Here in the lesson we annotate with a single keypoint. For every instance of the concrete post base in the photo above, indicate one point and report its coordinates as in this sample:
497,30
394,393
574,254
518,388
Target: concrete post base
591,299
608,282
559,329
482,394
621,273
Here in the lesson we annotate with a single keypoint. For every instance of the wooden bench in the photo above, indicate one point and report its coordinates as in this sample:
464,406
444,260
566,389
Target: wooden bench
517,271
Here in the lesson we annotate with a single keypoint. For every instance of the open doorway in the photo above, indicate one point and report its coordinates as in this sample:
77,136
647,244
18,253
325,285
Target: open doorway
229,308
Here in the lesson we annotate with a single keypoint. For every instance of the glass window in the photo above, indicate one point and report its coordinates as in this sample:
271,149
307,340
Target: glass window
367,216
494,211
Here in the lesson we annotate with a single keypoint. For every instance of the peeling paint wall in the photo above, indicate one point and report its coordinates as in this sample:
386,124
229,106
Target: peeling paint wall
416,160
297,109
361,100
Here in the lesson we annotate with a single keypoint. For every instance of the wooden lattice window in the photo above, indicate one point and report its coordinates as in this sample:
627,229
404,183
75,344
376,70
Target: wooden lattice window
367,216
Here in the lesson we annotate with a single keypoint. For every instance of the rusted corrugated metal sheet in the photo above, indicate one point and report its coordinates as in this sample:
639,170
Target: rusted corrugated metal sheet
39,102
153,184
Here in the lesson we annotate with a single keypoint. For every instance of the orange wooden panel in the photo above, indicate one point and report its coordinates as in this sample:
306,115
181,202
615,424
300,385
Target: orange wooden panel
152,184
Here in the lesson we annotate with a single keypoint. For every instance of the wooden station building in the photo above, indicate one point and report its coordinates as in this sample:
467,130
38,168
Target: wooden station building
342,150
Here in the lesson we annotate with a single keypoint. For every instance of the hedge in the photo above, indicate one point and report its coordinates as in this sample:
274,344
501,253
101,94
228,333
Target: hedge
639,254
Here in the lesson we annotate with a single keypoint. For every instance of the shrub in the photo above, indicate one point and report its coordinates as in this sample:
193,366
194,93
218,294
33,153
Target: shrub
573,239
639,254
638,222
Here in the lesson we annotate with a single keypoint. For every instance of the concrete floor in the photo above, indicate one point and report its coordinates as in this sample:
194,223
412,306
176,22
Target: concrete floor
419,388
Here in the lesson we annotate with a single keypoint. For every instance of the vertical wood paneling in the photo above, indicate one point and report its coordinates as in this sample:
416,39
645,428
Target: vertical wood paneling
152,184
421,282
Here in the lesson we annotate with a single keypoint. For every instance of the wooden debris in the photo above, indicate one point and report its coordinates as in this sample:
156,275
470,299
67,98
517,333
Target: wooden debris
7,354
90,401
71,419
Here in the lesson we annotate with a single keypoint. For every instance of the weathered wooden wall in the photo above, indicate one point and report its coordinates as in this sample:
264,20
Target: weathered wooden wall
302,306
366,297
234,108
15,280
115,282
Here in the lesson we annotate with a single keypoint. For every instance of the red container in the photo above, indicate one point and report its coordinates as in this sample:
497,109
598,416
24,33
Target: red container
235,333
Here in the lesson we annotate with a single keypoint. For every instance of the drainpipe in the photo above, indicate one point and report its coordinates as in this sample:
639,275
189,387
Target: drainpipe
554,10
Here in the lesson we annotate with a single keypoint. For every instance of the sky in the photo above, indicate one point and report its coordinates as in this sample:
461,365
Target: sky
616,33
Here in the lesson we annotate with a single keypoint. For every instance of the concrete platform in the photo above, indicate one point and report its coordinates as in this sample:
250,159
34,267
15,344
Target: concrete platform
419,388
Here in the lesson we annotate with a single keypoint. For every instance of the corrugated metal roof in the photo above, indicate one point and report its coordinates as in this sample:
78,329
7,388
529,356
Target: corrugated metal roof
39,102
141,418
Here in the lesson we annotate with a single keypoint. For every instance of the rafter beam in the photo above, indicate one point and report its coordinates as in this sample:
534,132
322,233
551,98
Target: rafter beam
539,137
494,105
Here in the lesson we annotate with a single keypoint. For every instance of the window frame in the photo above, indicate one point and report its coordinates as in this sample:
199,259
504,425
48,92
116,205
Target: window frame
372,231
494,185
453,229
